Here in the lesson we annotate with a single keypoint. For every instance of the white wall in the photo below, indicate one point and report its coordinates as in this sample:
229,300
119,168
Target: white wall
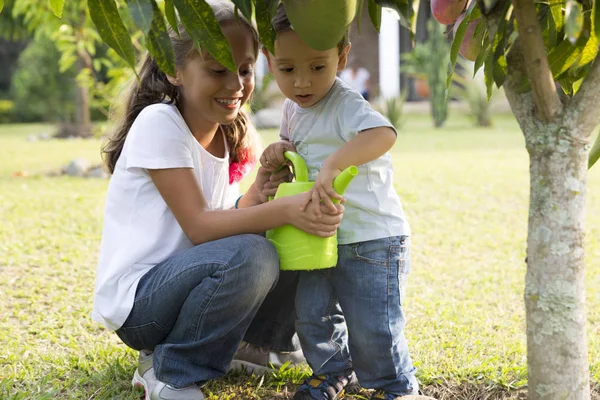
389,56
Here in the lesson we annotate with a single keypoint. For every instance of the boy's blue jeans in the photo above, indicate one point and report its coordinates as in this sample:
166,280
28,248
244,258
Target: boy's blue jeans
194,308
350,317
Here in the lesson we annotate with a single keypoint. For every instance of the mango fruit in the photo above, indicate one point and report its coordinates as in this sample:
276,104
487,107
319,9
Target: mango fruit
447,11
468,48
321,24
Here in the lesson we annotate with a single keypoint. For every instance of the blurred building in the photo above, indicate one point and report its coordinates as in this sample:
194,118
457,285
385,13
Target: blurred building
380,53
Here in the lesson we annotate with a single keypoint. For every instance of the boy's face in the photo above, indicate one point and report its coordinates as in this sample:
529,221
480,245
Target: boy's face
304,75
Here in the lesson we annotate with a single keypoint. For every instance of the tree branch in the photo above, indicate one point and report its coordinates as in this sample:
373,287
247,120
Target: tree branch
536,61
521,104
584,104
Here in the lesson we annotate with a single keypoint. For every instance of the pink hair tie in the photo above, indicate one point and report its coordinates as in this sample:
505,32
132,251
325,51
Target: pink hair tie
239,169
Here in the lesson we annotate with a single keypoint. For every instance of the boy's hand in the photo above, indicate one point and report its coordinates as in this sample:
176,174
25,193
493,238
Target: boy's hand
323,191
272,158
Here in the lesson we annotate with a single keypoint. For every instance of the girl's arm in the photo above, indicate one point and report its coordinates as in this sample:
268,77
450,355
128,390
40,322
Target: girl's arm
180,189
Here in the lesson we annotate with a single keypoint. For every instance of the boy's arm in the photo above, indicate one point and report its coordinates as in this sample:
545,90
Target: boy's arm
368,145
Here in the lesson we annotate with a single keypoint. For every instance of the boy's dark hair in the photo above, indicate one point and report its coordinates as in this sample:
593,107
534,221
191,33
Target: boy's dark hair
281,23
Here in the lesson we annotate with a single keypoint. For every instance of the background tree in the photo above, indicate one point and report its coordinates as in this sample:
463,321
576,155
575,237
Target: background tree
97,71
544,54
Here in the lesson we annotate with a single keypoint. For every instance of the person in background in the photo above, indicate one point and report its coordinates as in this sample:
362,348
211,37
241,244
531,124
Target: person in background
358,78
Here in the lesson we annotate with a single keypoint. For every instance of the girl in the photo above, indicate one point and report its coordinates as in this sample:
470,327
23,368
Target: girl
182,271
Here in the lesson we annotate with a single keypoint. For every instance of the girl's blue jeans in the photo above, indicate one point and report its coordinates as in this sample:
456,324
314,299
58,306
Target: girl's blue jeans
194,308
350,317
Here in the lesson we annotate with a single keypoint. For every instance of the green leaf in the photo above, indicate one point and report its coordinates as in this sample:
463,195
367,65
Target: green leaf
375,14
488,75
552,32
589,52
405,12
596,19
595,152
482,55
201,25
263,23
57,7
501,66
171,16
566,83
577,85
141,13
1,5
111,29
158,42
574,21
471,14
500,70
245,6
359,8
413,17
556,10
563,56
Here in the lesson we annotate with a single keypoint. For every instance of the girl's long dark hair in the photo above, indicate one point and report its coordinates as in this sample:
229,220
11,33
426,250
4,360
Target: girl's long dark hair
154,87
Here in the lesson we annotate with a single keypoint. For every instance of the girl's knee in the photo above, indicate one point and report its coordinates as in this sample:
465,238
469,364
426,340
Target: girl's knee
260,262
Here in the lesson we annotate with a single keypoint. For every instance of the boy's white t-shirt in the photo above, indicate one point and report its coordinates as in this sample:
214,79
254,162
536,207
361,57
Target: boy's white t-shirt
373,209
140,231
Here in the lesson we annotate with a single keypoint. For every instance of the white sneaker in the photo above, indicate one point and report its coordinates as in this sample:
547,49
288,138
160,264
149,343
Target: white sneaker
144,374
156,390
162,391
259,361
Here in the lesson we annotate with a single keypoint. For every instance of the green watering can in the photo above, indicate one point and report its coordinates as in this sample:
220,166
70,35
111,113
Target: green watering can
297,249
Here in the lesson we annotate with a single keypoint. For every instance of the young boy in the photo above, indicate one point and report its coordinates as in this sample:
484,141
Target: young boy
350,320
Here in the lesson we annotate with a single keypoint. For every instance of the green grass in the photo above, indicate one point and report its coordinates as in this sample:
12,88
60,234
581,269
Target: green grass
465,191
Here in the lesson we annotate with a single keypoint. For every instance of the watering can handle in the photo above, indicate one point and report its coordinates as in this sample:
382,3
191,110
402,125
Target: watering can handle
300,170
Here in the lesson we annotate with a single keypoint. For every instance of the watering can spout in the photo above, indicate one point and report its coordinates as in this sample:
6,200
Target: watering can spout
341,182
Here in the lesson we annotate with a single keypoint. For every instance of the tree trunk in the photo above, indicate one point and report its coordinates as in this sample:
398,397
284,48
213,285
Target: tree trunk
554,284
82,110
557,353
83,120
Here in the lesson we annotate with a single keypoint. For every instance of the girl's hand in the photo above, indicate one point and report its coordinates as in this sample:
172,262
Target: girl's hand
266,183
276,179
323,192
272,158
325,225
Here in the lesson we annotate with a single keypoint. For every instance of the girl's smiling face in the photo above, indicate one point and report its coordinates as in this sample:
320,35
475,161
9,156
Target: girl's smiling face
303,74
210,93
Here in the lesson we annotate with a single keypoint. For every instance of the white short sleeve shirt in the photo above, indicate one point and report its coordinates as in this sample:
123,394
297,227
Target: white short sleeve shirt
373,209
357,81
139,229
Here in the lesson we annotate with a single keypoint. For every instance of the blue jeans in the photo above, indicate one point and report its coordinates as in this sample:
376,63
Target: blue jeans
193,309
273,325
350,317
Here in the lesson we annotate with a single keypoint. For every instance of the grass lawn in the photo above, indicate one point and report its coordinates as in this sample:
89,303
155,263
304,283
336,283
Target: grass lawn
464,189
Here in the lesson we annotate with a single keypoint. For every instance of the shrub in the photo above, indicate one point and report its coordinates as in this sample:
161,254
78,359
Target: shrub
6,111
39,91
393,109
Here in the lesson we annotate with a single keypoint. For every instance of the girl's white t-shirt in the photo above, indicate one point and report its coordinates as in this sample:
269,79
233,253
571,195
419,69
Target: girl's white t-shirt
140,230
